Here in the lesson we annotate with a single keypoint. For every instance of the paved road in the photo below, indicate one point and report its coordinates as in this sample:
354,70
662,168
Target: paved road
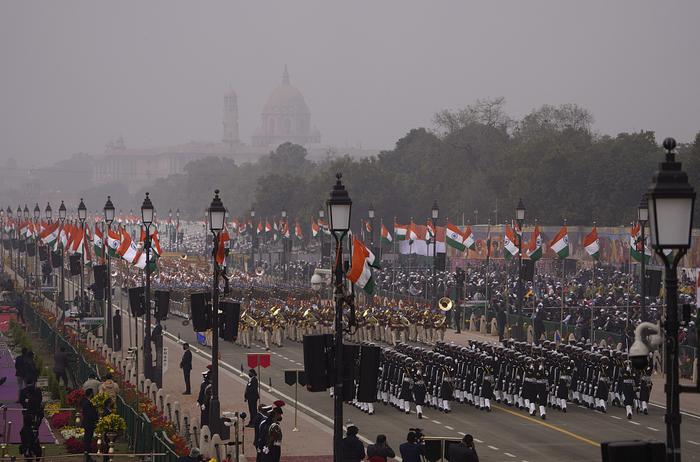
504,434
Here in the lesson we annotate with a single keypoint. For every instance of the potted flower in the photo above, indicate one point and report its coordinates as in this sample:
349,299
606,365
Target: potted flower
111,425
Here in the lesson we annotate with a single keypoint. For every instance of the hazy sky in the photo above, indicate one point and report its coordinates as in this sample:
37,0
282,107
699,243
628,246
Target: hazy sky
76,73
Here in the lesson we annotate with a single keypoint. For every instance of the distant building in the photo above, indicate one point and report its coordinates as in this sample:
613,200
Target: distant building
285,117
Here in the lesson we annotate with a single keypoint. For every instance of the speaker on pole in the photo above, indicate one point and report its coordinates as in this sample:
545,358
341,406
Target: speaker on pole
318,361
200,310
56,259
74,264
231,316
43,253
137,301
569,266
369,374
351,355
653,283
162,303
31,250
528,270
440,261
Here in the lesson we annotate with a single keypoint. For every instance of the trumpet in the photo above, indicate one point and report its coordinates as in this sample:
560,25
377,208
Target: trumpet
445,304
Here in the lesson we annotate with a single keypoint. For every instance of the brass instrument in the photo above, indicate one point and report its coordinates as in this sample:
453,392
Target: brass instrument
439,320
260,271
445,304
404,321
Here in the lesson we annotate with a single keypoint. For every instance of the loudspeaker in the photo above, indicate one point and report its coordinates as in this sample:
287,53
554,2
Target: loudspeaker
569,266
653,283
528,270
74,264
326,254
637,451
369,374
231,316
56,259
15,244
100,274
351,355
7,243
440,261
137,301
43,253
318,361
162,303
200,311
31,250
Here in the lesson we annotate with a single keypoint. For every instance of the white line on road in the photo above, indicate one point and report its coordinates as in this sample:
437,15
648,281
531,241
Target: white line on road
633,422
476,439
509,454
448,427
615,417
436,422
462,433
653,429
688,414
694,442
493,447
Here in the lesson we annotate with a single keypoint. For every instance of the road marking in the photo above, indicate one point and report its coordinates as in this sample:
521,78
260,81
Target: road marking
493,447
462,433
548,425
448,427
694,442
476,439
688,414
633,422
615,417
509,454
653,429
436,422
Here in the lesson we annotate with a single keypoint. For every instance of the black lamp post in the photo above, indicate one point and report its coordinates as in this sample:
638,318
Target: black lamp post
62,218
82,216
643,217
370,215
671,200
435,214
253,240
11,236
147,219
109,219
170,229
520,217
177,230
25,213
37,271
217,218
339,208
283,231
321,216
48,215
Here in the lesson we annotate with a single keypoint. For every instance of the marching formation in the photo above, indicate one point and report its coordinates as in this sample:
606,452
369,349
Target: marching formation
529,377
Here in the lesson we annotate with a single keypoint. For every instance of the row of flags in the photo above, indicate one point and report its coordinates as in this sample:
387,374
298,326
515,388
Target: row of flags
72,239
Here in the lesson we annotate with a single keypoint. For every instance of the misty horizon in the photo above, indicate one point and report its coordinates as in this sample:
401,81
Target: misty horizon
78,74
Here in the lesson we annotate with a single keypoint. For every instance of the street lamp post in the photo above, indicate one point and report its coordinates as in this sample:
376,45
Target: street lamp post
671,200
62,298
25,213
339,208
435,213
217,218
109,219
643,217
253,240
82,216
321,216
283,214
170,229
147,219
11,236
48,213
177,230
37,276
520,217
370,215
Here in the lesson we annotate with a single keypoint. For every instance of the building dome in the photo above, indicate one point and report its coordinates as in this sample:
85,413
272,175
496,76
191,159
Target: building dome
285,118
285,99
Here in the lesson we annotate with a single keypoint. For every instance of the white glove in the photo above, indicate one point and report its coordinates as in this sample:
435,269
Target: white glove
266,450
203,407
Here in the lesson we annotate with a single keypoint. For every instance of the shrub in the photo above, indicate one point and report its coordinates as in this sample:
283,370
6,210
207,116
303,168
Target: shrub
61,419
113,423
75,446
74,397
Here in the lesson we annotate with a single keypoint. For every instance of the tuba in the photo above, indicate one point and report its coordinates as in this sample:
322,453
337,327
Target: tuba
445,304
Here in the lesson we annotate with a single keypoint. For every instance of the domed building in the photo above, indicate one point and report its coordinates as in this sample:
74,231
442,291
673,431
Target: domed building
285,117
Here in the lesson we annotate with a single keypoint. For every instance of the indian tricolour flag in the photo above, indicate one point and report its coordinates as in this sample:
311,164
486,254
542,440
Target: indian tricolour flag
534,249
314,228
468,238
592,244
400,231
454,237
49,235
509,243
127,249
637,246
560,243
363,260
114,239
98,241
386,236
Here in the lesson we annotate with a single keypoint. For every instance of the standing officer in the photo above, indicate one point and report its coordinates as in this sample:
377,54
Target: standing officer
186,366
252,394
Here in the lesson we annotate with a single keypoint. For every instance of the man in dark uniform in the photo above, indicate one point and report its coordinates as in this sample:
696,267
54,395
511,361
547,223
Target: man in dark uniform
252,393
90,418
117,330
186,366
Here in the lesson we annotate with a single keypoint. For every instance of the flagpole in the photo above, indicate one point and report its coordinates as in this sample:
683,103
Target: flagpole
629,276
381,238
592,332
394,264
561,315
488,262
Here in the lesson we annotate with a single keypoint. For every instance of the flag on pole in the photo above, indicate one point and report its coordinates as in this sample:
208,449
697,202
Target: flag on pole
637,247
297,231
454,237
386,236
468,238
49,234
510,248
592,244
314,228
412,232
560,243
534,248
400,231
363,260
114,239
221,249
98,242
429,230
